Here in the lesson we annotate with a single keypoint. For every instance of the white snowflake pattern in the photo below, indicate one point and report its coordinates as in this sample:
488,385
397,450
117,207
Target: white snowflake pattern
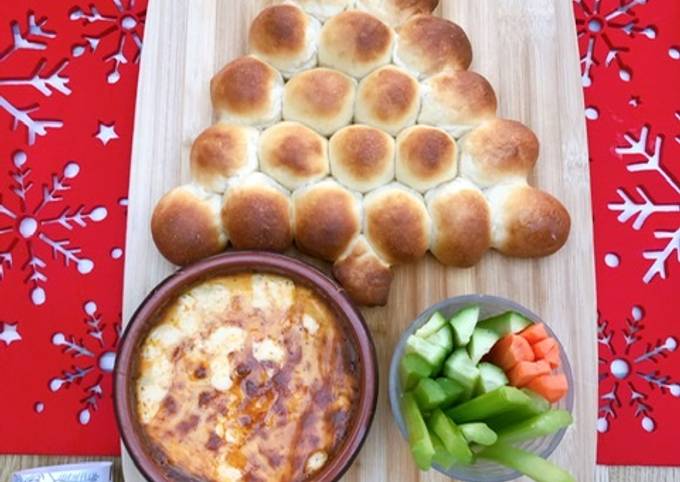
32,37
644,207
9,333
26,223
622,365
595,24
124,25
95,360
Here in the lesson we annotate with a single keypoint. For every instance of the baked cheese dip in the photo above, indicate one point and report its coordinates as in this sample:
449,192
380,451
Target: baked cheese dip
246,377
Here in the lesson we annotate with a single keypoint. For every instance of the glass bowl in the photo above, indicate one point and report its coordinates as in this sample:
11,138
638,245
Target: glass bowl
483,470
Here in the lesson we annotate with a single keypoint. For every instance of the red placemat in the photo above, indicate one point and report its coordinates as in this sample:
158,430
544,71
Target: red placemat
68,74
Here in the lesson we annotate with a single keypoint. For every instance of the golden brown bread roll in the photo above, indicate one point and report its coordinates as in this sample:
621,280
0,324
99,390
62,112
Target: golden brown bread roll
257,214
427,45
526,222
247,91
389,99
396,12
285,37
457,101
363,274
397,224
322,99
461,223
355,43
293,154
362,157
499,150
222,151
426,157
327,219
186,225
324,9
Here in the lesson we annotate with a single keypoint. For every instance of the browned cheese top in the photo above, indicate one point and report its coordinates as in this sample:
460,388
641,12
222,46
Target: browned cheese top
246,377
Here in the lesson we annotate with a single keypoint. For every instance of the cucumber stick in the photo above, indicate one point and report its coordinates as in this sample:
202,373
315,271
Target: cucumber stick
478,433
453,391
460,368
418,435
441,456
506,323
491,377
411,369
538,426
527,463
481,342
500,401
428,351
428,394
451,436
432,325
443,337
463,324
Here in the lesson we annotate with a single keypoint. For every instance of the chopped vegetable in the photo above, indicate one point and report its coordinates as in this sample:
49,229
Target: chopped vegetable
441,456
453,391
537,405
508,322
411,369
428,394
443,338
418,435
510,350
500,401
551,387
527,463
431,353
481,342
463,324
490,378
522,373
479,433
535,333
553,357
538,426
451,436
459,367
543,347
432,326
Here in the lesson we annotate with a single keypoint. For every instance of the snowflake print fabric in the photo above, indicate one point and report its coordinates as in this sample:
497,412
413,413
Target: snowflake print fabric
630,61
68,76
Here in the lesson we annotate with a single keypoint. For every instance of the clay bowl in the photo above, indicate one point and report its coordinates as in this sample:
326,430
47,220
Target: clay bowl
234,263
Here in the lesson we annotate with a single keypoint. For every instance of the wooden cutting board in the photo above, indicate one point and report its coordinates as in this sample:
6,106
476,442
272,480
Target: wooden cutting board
527,49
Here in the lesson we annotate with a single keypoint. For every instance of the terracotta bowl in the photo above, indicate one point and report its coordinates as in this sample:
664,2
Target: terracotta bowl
234,263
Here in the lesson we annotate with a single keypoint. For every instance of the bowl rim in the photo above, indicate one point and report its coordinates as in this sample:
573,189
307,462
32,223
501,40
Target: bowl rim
394,393
232,263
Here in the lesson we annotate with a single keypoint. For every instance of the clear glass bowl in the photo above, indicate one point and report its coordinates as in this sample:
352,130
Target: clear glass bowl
483,470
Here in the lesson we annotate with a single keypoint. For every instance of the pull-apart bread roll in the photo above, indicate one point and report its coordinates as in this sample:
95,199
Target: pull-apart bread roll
362,157
461,223
498,151
322,99
186,225
363,274
426,157
324,9
457,101
396,224
293,154
427,45
257,214
327,219
396,12
285,37
223,151
389,99
355,43
247,91
526,222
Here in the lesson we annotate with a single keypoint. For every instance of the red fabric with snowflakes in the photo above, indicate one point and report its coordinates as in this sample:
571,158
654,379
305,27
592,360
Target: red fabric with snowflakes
61,248
63,198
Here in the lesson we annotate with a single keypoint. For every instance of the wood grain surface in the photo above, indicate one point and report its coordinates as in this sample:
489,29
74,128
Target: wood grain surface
527,49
